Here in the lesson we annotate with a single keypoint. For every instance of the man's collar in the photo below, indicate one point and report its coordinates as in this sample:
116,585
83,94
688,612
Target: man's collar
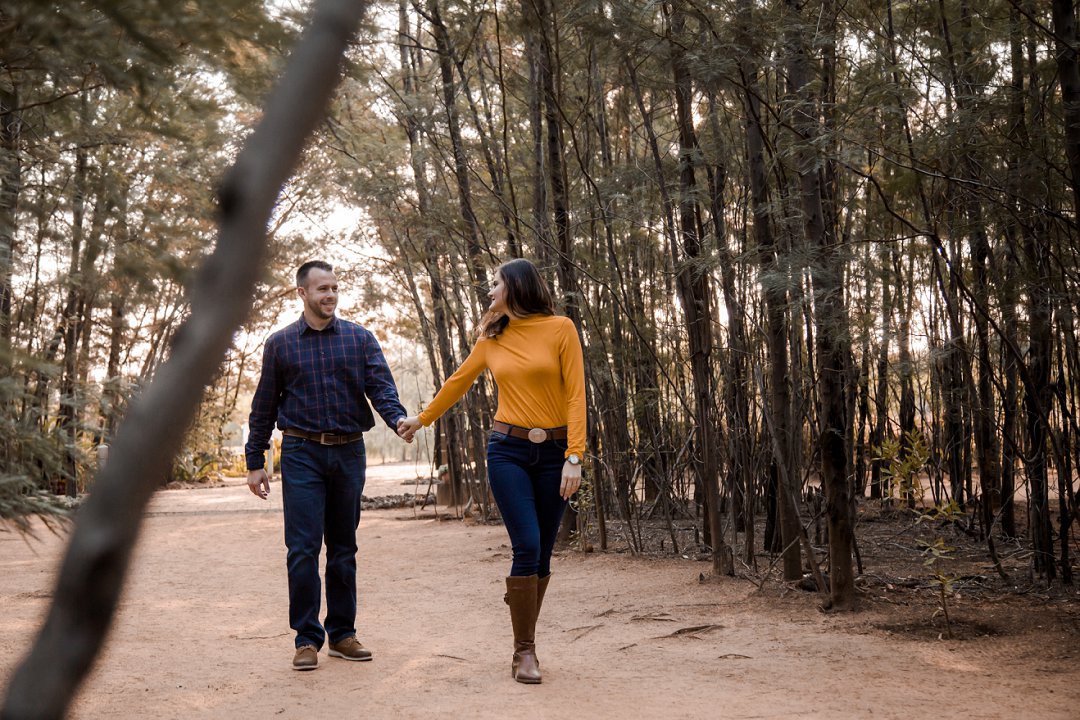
303,326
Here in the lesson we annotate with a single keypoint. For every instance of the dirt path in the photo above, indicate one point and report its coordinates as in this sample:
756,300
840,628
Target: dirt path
203,633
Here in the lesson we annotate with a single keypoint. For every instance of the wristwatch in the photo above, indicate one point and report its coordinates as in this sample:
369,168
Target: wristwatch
573,459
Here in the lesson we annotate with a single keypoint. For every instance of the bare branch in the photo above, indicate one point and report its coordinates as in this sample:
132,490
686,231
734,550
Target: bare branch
107,527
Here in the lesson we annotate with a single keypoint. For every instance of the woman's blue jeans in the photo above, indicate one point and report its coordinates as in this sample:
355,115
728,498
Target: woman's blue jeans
321,486
525,479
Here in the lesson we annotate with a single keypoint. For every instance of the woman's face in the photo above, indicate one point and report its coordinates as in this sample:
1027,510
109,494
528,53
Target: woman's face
497,295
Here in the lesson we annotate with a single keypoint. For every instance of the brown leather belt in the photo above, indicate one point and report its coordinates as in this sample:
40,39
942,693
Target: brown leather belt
537,435
324,438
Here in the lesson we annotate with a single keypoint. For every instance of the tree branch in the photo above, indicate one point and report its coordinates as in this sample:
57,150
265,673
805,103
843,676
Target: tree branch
107,527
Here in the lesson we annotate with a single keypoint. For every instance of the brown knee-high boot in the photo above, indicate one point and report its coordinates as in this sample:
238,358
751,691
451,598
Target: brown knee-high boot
521,597
541,589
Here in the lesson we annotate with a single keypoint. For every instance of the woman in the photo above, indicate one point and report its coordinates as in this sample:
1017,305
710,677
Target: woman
537,439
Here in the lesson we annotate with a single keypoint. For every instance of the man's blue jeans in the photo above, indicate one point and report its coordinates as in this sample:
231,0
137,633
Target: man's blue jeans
525,479
321,486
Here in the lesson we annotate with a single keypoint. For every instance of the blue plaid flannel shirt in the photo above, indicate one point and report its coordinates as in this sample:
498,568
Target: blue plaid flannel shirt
316,381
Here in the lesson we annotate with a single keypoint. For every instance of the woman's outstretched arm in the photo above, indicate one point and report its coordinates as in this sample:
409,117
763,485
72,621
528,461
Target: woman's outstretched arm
455,386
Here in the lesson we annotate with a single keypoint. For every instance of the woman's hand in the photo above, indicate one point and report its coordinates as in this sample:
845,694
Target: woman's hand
571,479
407,427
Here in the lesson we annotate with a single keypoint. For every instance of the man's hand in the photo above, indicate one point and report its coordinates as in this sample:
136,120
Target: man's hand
571,479
259,482
407,427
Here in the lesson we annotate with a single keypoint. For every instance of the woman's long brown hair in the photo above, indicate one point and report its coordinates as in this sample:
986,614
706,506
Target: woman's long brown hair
526,294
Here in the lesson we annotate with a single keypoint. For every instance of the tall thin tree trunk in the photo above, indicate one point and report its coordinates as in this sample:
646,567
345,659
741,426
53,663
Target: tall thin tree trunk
736,369
1010,451
69,324
473,248
649,369
533,14
111,395
832,337
447,444
1037,399
555,165
10,189
644,394
515,247
881,394
773,282
967,95
695,292
618,445
987,450
1067,45
1018,162
1064,469
492,153
905,281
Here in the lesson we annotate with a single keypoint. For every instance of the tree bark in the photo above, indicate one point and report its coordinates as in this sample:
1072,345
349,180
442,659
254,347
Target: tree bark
10,189
1038,397
695,291
491,151
773,282
878,488
473,247
973,400
1018,162
1067,44
556,167
830,314
533,12
987,449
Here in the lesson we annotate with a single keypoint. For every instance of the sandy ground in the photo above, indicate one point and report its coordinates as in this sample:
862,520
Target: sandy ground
203,633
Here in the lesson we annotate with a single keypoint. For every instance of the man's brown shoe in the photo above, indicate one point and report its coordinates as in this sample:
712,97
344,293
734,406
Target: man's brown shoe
349,649
306,658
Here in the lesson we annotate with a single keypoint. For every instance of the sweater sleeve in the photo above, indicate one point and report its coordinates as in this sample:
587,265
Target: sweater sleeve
379,382
573,374
457,384
264,407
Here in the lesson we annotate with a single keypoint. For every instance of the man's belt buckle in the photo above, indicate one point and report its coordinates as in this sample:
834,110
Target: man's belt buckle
538,435
322,438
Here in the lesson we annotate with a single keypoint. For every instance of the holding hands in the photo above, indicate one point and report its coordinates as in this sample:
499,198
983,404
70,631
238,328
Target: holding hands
407,427
571,471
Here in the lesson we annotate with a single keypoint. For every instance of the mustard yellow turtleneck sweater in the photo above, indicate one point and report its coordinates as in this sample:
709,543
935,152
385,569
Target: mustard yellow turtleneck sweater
538,366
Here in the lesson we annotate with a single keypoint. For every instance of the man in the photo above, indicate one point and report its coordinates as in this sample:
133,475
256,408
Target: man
315,375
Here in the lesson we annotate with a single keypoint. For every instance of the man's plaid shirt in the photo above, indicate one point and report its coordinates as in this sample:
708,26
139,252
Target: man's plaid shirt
316,381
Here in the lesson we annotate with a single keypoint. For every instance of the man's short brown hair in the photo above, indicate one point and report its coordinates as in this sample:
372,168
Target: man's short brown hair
302,273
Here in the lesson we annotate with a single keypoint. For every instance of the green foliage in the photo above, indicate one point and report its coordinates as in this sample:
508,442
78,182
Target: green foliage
196,467
904,459
936,553
131,110
34,461
21,498
203,457
123,116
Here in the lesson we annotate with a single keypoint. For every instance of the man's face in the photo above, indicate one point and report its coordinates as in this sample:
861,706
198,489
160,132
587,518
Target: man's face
320,295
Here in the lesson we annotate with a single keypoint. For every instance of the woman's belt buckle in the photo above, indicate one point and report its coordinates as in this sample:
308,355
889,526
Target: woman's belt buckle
538,435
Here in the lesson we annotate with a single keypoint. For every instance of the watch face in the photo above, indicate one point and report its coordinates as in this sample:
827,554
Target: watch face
574,460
